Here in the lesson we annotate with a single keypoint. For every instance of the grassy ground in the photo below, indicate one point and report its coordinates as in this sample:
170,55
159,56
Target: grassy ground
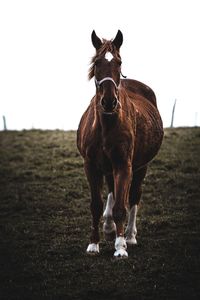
45,223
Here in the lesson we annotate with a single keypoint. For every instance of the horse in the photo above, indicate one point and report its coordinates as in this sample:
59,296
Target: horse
118,135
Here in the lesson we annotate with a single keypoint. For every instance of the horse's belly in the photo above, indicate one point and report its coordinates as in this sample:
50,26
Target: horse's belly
148,140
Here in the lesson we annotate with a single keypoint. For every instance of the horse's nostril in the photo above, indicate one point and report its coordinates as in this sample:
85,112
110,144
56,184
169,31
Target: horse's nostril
103,102
109,104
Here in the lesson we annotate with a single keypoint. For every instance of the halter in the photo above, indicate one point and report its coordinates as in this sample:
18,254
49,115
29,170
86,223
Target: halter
98,83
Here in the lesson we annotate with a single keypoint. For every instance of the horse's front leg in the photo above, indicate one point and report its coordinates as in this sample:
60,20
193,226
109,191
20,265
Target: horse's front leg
122,181
95,179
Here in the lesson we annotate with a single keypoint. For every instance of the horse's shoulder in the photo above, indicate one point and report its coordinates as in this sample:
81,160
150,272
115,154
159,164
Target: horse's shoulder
88,129
139,88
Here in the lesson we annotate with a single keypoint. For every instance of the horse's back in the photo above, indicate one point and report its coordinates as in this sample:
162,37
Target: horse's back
140,88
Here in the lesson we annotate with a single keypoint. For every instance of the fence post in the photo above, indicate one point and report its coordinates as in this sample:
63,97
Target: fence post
4,123
173,111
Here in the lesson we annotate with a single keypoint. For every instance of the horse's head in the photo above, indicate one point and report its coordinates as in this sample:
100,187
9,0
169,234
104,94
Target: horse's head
106,69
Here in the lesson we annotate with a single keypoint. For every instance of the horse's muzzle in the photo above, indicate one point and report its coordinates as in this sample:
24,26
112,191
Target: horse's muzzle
109,105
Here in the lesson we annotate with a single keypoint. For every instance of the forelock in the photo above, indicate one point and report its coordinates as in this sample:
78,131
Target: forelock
107,47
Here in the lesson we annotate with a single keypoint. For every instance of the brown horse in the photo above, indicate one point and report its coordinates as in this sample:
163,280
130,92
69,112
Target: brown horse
119,133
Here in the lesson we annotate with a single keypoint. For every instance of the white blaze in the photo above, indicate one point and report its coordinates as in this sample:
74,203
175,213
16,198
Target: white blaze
109,56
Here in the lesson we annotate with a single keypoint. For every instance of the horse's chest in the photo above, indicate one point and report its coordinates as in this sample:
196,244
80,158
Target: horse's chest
113,154
109,150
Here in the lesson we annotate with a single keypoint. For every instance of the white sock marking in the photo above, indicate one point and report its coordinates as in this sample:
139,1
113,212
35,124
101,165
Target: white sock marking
120,247
93,248
109,206
109,226
131,229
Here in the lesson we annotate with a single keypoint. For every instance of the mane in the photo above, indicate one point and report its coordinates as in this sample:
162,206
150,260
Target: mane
107,46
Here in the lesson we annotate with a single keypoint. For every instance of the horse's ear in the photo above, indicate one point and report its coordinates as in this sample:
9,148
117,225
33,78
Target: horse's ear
96,40
118,40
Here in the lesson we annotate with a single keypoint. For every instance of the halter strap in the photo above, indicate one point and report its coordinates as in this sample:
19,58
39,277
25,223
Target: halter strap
98,83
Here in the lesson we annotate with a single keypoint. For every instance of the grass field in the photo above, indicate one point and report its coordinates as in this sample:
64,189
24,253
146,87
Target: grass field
45,223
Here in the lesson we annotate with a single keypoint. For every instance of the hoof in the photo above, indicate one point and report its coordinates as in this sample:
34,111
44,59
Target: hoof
120,247
120,254
93,249
131,240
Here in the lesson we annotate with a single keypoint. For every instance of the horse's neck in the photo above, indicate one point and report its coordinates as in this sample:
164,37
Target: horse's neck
109,122
127,105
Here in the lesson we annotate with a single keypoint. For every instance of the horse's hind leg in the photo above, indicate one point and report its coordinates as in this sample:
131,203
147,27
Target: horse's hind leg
95,179
134,199
109,227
